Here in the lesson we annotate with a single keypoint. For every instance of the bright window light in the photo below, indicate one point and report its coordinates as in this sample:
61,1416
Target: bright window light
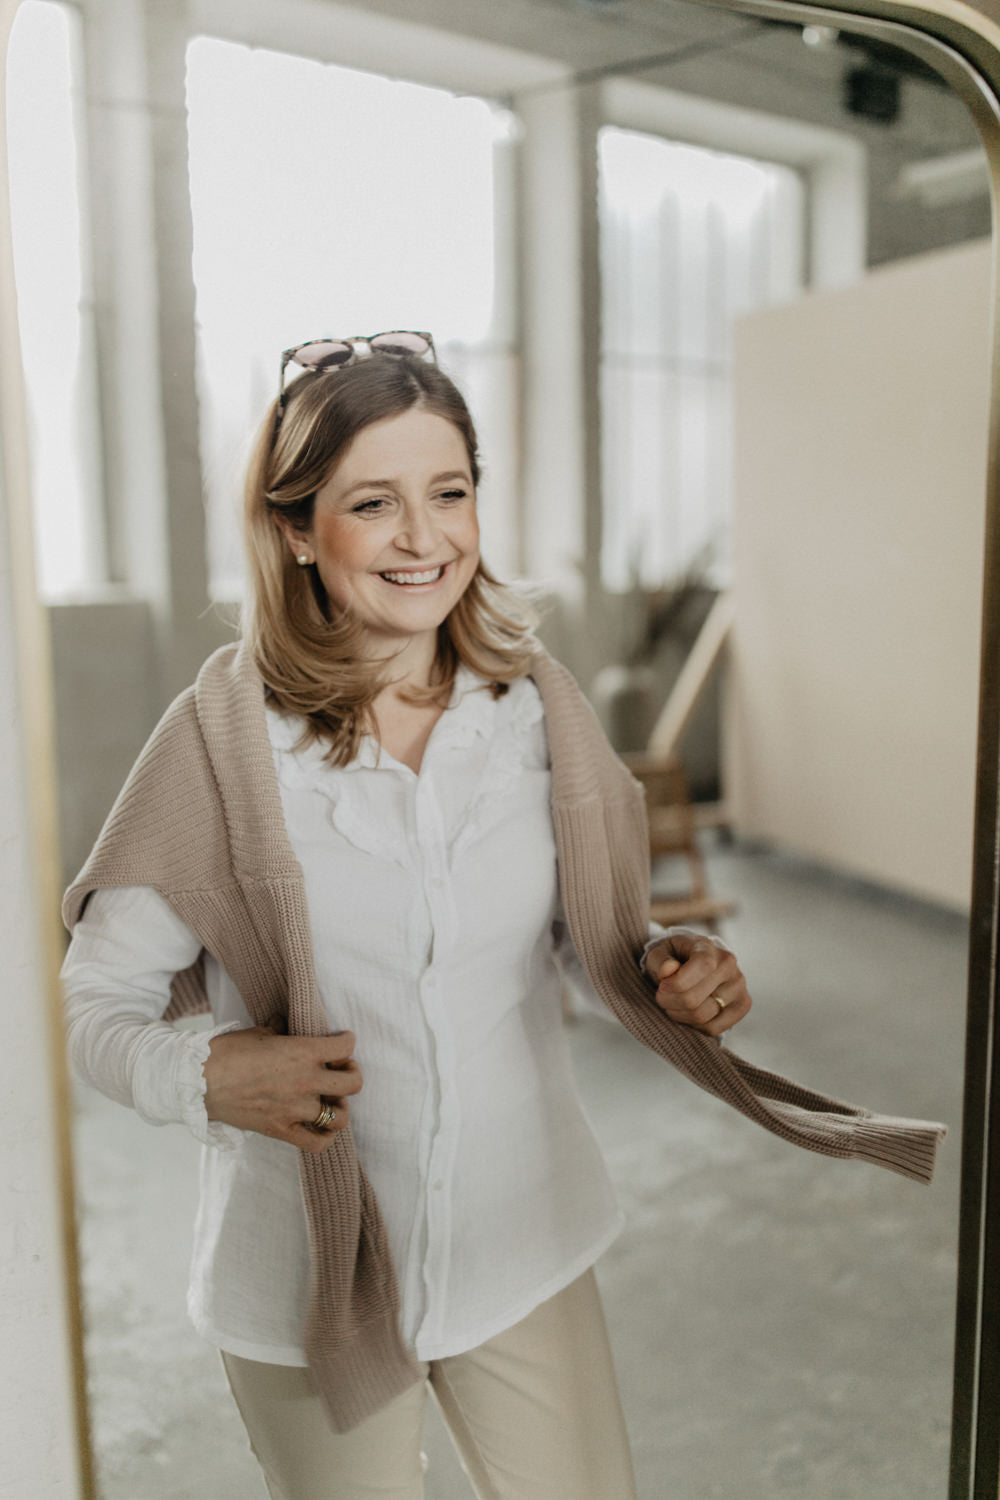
690,240
331,202
45,213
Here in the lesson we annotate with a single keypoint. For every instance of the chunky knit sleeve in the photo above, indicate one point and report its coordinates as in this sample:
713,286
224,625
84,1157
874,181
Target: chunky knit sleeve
599,816
166,829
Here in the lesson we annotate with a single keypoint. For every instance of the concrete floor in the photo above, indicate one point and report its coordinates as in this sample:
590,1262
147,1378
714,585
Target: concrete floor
782,1323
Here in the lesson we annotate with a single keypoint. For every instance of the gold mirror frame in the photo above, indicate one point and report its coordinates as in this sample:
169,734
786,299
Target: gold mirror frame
962,42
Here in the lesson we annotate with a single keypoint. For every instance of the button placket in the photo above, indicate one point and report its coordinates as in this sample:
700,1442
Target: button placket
432,859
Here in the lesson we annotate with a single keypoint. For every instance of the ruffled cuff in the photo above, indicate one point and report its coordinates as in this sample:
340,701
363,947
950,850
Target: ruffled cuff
189,1081
667,932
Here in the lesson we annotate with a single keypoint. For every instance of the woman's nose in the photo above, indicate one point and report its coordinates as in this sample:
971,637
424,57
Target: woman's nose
418,532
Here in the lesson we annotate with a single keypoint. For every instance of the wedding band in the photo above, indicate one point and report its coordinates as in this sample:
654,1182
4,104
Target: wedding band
326,1117
719,1002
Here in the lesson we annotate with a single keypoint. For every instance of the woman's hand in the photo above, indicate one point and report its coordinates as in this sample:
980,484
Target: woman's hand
699,982
259,1079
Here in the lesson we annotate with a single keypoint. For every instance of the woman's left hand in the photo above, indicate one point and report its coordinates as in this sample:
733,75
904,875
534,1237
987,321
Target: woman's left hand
699,982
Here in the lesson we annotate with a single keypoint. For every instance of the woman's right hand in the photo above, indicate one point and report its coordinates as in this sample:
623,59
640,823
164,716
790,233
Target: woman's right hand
259,1079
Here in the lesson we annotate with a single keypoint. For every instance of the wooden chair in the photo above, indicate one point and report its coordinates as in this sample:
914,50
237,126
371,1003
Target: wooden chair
673,830
674,822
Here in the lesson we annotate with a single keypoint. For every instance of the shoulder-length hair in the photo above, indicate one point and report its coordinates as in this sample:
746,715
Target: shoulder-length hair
310,655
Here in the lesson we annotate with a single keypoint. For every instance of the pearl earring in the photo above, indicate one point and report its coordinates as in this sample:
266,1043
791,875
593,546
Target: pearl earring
302,559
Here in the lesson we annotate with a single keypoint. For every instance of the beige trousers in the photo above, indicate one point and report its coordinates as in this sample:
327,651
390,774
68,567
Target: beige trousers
534,1414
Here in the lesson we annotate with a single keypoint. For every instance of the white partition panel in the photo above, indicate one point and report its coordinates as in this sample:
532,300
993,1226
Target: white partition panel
860,464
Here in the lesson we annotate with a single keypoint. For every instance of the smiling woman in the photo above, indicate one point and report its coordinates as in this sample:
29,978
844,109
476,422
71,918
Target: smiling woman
461,762
397,553
400,692
380,545
360,473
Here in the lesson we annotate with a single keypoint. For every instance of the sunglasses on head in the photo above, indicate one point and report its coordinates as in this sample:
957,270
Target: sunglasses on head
320,355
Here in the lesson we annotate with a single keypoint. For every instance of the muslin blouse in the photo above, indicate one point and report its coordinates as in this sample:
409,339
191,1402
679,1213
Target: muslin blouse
438,940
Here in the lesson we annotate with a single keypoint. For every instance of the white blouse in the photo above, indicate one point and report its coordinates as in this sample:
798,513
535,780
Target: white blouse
438,939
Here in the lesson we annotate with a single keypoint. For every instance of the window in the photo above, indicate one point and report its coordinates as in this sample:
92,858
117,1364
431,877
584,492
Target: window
328,201
53,319
690,239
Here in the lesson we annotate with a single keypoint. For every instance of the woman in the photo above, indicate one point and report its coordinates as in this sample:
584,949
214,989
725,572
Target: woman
381,825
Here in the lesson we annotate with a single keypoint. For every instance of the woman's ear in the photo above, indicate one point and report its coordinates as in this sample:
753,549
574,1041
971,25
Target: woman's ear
299,544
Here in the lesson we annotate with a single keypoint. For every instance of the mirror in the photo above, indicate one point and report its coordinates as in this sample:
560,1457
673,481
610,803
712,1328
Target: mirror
845,1378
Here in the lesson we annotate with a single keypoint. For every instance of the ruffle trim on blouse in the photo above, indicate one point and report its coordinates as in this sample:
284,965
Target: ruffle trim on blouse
508,723
306,769
471,713
189,1082
513,748
364,832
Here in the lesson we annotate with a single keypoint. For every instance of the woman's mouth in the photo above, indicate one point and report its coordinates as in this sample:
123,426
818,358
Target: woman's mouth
414,577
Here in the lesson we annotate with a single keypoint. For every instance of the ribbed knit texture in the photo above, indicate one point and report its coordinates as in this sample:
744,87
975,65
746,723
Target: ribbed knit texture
600,825
200,821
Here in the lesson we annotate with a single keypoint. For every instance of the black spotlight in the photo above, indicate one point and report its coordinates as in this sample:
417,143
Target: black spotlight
872,92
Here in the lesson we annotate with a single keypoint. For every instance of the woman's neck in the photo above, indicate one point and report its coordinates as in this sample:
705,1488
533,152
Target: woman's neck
404,727
411,667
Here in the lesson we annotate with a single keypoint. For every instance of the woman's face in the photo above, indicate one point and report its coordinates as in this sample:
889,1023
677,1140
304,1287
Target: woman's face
395,536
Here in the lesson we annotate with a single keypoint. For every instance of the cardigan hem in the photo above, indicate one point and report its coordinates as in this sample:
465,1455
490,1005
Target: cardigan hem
360,1374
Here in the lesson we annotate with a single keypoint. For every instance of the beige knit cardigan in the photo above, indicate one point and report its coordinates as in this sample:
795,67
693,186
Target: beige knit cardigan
200,820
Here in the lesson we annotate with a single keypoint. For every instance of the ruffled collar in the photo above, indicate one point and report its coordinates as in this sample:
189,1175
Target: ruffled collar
503,724
471,714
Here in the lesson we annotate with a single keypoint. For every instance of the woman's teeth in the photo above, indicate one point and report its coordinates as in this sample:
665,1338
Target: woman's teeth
430,576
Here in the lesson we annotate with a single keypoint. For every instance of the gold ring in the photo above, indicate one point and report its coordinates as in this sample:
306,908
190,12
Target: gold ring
326,1117
719,1002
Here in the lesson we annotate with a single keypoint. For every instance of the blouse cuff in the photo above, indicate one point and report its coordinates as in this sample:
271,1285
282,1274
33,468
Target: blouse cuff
190,1084
667,932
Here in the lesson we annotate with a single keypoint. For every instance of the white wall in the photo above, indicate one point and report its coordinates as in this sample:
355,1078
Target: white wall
860,472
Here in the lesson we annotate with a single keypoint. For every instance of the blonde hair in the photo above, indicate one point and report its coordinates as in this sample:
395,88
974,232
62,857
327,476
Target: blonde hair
311,659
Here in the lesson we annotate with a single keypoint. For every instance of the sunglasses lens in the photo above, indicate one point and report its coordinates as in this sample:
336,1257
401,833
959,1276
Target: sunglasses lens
323,354
400,343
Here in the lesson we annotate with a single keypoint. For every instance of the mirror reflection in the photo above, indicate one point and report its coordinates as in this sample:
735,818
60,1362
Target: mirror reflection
720,319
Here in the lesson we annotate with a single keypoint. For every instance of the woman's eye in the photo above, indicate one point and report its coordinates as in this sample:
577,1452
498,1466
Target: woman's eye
370,507
453,495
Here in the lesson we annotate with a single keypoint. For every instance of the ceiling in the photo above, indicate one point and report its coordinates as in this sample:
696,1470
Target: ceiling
715,53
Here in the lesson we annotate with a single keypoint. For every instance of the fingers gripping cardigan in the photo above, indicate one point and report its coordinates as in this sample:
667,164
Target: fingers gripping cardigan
200,820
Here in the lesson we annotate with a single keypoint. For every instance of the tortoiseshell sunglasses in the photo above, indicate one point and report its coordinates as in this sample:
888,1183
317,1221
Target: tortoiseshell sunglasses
320,355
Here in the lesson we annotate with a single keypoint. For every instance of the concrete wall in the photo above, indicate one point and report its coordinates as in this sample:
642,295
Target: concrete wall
860,464
108,695
104,673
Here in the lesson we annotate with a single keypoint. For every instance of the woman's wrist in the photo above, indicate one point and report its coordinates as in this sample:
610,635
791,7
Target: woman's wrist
192,1090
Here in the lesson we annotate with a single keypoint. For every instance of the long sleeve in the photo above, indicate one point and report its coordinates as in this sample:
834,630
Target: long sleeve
125,949
575,975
